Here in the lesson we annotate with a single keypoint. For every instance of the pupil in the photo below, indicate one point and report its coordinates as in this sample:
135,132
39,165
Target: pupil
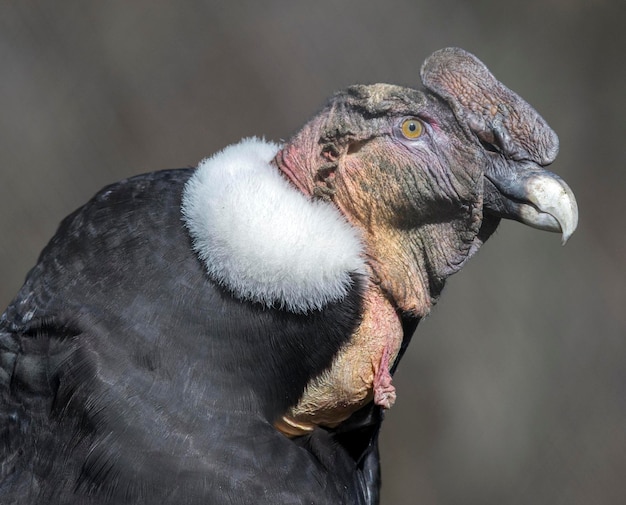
412,127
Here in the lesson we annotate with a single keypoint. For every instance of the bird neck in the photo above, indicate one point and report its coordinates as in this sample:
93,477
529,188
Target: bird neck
400,267
395,258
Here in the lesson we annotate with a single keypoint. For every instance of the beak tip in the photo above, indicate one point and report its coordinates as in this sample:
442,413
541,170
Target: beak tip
551,195
568,231
569,219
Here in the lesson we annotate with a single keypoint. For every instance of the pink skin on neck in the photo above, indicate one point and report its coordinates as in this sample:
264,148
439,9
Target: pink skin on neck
287,160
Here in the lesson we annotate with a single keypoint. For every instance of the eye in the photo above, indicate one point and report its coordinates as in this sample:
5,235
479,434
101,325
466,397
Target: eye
412,128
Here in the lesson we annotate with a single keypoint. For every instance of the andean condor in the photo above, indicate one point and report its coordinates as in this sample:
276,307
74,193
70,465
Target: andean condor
227,334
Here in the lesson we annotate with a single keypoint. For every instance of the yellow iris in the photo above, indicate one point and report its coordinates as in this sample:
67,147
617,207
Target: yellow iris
412,128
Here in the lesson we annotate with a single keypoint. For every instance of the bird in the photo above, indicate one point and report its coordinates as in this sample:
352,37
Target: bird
228,333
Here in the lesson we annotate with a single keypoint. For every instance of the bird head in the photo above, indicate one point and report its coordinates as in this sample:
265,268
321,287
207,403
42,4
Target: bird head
427,174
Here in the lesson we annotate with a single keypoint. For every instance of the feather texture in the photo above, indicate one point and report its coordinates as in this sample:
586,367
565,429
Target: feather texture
264,240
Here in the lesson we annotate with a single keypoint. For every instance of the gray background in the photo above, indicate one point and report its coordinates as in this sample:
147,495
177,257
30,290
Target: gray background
514,390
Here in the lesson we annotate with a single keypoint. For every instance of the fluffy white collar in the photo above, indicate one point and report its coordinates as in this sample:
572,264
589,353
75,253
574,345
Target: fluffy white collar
263,239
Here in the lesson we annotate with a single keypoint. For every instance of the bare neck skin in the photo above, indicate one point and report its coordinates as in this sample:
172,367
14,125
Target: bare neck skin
409,270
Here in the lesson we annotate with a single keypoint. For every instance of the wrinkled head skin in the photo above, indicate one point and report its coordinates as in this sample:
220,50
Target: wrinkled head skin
426,175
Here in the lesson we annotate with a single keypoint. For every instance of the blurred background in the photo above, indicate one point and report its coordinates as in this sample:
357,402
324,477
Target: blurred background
514,389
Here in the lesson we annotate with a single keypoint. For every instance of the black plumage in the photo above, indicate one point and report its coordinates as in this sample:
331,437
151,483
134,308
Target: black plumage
154,376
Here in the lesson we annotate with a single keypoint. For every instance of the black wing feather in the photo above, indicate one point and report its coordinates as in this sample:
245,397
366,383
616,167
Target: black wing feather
127,376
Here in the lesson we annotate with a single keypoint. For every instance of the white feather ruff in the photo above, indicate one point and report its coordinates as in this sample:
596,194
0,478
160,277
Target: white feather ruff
262,238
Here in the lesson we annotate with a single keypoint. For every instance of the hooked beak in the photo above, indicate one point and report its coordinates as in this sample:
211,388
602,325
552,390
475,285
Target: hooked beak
532,195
